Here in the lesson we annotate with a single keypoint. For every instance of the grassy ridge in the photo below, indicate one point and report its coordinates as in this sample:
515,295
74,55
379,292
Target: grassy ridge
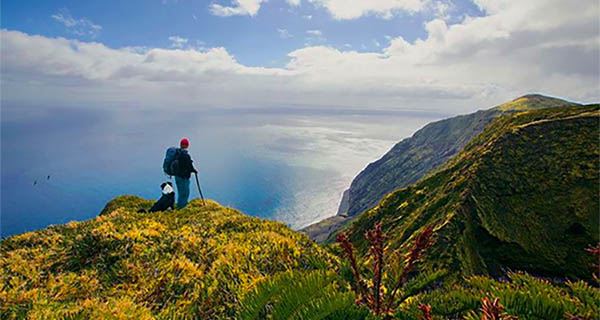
522,195
428,148
188,264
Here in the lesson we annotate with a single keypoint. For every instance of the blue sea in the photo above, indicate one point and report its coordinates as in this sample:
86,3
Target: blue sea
291,165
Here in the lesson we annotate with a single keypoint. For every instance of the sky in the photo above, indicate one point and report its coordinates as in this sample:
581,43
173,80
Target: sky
448,56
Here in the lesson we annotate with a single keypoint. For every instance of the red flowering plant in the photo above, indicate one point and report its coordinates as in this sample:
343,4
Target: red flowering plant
373,294
425,312
595,251
493,310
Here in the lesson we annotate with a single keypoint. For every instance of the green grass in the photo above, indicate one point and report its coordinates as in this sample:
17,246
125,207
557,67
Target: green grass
430,147
522,295
523,195
192,263
301,295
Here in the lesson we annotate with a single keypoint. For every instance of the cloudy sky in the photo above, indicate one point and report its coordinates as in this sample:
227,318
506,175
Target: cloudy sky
452,56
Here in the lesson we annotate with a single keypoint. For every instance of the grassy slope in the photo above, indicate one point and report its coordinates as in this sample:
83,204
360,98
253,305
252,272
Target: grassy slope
522,195
195,262
412,158
320,231
431,146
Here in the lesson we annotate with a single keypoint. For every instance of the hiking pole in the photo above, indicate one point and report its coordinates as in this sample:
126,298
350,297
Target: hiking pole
199,190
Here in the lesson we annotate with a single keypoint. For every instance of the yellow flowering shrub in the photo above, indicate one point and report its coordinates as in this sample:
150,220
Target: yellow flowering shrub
194,263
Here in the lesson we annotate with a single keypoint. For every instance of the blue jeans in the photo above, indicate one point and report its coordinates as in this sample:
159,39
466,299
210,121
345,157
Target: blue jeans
183,191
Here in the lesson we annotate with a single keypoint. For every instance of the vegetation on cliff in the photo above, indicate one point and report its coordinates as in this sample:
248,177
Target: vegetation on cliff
523,195
428,148
186,264
386,284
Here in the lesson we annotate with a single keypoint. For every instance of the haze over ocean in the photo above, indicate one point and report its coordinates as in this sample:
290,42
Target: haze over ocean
290,165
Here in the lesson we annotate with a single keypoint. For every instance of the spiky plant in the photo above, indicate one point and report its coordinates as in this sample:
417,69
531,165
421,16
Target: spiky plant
422,242
358,285
373,294
595,251
300,295
491,309
375,297
426,312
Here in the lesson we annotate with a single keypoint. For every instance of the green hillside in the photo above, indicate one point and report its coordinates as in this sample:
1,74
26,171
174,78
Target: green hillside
412,158
193,263
523,195
431,146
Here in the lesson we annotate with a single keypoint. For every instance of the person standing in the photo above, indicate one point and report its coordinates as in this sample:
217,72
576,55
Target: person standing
183,171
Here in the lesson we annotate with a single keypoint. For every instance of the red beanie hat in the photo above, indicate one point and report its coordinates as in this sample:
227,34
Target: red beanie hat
184,143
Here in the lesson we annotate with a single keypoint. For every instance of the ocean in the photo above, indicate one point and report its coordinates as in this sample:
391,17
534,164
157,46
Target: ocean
287,164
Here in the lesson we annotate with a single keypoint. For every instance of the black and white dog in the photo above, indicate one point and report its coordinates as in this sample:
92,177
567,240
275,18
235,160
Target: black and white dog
166,201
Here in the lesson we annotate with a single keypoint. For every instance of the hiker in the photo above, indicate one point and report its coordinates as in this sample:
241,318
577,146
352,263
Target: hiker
182,168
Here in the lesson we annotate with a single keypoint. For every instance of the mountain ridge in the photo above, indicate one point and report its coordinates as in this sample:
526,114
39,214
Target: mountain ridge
522,195
413,157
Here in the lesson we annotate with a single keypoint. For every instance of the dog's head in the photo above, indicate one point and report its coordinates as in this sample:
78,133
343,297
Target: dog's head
167,187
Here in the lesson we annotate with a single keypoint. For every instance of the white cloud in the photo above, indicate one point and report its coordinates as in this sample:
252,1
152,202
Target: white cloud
79,27
316,33
284,34
314,37
339,9
442,9
236,8
352,9
520,47
178,42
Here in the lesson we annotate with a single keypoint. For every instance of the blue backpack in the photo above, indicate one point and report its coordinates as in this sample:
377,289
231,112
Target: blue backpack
170,164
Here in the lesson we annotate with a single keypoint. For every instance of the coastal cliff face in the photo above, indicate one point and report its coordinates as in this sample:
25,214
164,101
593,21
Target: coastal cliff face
523,195
414,157
431,146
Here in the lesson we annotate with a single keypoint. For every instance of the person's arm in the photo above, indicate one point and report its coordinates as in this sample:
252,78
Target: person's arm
192,169
190,164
